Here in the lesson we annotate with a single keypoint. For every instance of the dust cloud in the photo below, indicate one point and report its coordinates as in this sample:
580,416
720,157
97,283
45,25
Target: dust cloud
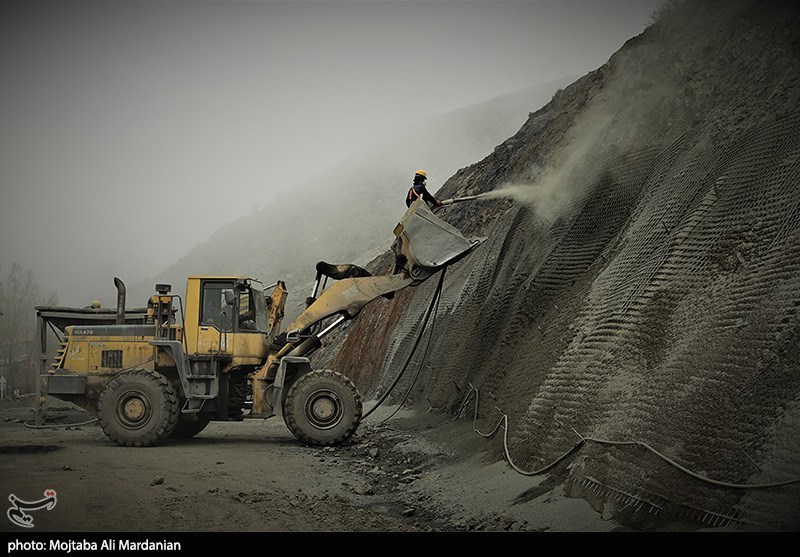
555,190
610,125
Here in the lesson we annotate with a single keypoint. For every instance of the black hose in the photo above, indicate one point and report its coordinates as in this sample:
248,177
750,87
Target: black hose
434,301
438,296
584,440
30,425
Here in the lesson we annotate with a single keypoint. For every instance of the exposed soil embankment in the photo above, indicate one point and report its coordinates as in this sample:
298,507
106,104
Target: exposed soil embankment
649,290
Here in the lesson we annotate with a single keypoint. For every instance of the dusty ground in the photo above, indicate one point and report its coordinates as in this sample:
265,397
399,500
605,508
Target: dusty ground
409,474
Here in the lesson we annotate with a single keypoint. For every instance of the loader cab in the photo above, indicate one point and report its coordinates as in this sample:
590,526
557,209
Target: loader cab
226,316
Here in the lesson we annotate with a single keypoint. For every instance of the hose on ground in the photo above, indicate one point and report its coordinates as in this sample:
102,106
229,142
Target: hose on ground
30,425
584,440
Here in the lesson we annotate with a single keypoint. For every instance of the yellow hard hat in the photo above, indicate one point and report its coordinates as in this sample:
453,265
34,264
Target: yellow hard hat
421,173
96,304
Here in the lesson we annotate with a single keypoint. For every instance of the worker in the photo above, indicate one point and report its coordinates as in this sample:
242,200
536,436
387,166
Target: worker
247,320
418,190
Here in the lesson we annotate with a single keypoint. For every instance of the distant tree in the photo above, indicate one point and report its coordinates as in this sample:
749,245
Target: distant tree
19,294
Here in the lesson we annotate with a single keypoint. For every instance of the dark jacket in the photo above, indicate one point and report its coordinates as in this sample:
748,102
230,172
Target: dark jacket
419,190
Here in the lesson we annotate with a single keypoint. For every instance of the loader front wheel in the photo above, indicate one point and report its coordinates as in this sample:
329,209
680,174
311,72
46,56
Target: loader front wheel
138,408
323,408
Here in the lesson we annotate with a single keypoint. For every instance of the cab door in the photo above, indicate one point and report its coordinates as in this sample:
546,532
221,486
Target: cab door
216,333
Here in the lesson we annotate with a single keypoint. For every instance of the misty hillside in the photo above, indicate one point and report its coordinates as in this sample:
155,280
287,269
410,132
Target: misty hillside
642,285
350,210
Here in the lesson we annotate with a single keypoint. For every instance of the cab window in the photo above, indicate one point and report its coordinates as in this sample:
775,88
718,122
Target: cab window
215,312
252,311
247,311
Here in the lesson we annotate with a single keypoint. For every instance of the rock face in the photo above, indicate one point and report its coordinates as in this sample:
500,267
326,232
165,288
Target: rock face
642,283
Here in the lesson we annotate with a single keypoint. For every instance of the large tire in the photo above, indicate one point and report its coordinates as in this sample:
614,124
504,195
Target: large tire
322,408
189,425
138,408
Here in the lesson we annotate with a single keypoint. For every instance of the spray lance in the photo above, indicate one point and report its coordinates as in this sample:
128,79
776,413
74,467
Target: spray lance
460,199
522,193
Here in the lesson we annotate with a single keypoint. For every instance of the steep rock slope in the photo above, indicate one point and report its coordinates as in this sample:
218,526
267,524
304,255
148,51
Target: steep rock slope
644,286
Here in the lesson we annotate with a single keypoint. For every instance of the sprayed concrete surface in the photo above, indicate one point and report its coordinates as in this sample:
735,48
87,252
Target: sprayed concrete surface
640,280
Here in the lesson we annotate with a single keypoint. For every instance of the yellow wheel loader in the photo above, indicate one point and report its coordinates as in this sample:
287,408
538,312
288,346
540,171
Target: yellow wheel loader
156,373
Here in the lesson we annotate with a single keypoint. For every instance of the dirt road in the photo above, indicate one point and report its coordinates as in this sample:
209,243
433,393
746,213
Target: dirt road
418,472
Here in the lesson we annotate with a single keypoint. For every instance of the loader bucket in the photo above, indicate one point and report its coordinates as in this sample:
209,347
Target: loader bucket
425,243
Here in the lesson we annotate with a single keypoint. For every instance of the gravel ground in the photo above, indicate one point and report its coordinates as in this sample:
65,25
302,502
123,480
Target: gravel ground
417,472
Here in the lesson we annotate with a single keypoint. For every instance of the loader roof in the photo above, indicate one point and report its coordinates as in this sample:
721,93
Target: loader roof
223,277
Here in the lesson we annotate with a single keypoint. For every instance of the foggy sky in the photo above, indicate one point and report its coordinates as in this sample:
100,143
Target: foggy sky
131,131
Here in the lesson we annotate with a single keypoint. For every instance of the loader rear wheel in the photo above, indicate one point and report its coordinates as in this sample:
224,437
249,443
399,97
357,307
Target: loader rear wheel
138,408
189,426
323,408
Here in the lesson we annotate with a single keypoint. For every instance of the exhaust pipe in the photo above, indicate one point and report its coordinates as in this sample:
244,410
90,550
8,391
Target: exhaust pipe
120,301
